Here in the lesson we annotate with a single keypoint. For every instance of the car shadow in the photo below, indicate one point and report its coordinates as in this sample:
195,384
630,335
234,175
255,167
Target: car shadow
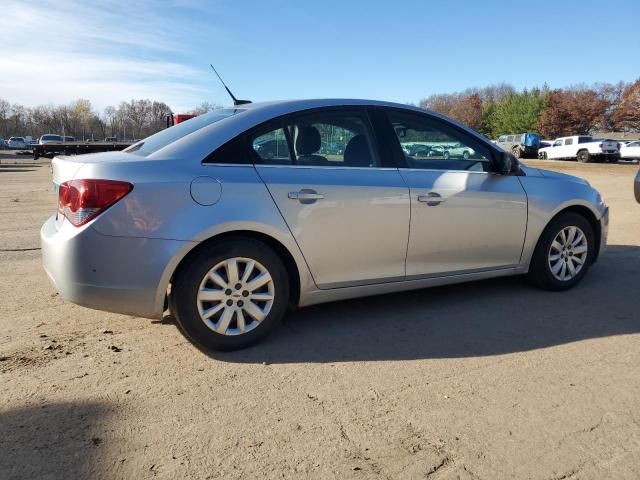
491,317
58,440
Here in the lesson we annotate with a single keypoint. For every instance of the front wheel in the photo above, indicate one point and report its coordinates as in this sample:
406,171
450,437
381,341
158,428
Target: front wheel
564,252
230,295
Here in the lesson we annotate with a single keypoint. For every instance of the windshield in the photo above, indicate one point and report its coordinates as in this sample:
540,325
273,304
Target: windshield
52,137
163,138
532,139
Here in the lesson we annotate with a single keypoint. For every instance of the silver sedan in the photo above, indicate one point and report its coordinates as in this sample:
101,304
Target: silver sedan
231,217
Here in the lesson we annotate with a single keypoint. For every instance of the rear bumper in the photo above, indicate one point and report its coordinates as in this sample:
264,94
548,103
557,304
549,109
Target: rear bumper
116,274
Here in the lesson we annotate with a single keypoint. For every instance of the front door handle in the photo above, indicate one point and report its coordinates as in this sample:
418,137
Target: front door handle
432,199
306,195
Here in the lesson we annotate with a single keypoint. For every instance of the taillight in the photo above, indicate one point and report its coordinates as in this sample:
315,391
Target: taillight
83,200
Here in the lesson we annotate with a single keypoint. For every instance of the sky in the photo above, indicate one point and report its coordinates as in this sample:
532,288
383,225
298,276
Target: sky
108,51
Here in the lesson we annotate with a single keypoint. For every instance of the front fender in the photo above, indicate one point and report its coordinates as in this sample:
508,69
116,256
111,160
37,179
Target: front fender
546,197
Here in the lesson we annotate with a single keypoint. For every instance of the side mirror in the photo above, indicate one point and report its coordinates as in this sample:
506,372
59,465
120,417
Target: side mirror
507,164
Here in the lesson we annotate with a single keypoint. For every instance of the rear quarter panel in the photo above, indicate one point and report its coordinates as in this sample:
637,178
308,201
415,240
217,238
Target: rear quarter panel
161,206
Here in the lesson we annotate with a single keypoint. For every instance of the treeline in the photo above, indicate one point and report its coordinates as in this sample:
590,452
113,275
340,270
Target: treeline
500,109
494,110
127,121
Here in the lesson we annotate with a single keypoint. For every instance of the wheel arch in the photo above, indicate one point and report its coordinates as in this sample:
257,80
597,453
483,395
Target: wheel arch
589,215
277,246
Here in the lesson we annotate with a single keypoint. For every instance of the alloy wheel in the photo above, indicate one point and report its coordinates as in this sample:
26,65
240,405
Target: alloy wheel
235,296
568,253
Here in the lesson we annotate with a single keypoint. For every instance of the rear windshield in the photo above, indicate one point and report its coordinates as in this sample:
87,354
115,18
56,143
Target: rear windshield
164,137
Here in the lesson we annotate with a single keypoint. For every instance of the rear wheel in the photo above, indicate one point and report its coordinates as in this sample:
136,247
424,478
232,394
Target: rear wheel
516,152
564,252
231,295
584,156
445,154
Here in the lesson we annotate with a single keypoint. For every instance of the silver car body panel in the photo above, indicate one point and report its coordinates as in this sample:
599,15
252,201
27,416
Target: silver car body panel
368,235
372,203
457,231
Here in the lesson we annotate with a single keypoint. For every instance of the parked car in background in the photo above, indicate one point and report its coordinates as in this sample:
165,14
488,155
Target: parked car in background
582,148
50,138
203,217
111,139
68,138
521,145
17,143
417,149
636,186
631,151
458,150
3,145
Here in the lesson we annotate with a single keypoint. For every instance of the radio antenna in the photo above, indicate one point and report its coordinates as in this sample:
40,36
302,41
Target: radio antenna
236,102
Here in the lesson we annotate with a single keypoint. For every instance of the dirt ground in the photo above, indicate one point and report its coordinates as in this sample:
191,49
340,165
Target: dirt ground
486,380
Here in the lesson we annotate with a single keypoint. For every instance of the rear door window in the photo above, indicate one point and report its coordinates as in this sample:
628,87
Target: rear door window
339,138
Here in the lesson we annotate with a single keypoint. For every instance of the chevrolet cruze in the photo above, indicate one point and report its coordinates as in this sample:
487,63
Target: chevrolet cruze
202,219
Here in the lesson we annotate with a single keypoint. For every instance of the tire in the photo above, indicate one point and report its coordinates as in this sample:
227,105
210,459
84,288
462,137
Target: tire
544,156
194,274
465,155
546,255
583,156
516,152
445,154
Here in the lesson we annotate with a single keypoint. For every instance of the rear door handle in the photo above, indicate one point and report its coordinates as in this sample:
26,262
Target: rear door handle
306,195
432,199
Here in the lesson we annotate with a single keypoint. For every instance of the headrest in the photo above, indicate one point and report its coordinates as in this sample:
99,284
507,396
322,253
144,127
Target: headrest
308,140
357,153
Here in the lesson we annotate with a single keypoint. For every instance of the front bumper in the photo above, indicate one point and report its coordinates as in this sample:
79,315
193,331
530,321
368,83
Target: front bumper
604,231
116,274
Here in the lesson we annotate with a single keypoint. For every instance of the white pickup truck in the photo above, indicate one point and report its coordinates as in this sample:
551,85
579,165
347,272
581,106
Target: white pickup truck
582,148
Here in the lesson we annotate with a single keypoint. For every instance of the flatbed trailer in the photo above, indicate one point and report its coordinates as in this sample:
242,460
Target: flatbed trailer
77,148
